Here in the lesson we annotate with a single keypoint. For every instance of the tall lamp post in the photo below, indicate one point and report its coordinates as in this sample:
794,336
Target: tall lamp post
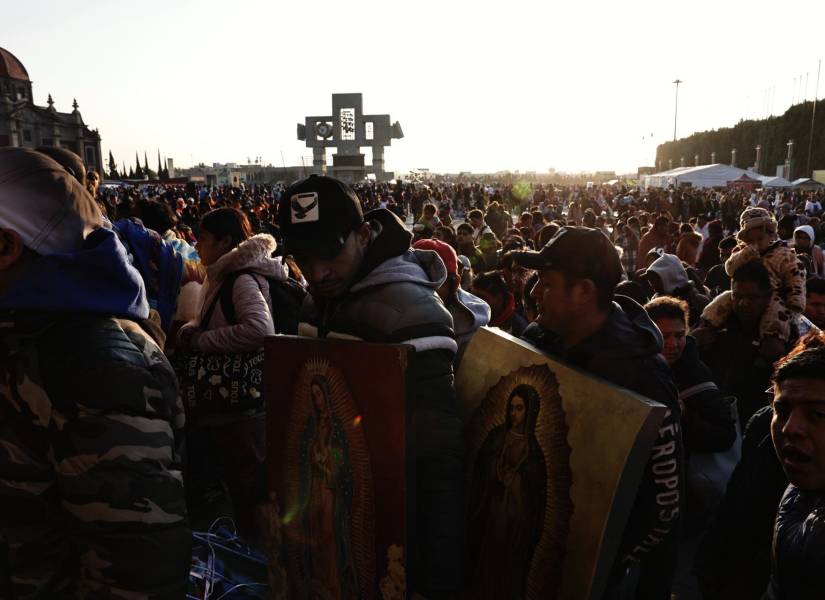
676,108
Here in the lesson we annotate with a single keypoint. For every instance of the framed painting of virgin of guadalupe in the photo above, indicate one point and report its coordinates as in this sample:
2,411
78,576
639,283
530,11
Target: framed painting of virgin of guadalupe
549,471
337,462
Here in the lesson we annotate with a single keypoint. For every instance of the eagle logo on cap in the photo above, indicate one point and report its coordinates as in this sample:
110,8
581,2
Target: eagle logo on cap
305,208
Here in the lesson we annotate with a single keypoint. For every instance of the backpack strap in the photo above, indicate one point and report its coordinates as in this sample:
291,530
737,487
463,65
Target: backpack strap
286,298
225,295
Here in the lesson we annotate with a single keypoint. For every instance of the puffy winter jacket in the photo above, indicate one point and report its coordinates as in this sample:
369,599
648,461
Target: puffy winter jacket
91,493
626,351
799,547
394,300
250,298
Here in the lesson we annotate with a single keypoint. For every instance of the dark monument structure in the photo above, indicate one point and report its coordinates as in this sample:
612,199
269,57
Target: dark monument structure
348,130
23,123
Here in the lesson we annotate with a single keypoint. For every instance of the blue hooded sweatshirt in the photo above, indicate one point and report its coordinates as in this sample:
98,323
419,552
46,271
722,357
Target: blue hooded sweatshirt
96,279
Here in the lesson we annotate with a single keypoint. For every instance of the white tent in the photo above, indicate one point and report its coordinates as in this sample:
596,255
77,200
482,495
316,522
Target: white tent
704,176
774,182
806,183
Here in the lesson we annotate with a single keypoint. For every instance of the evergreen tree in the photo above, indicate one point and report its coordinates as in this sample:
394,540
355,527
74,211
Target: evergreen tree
112,167
138,170
131,173
160,167
145,164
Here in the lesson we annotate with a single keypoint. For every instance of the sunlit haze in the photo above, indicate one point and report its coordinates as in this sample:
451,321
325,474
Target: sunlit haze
477,86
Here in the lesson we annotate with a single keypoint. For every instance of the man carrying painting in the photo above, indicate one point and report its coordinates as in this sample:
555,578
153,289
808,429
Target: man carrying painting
583,323
366,282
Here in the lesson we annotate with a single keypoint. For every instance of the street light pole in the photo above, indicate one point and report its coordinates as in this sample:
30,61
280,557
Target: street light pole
676,109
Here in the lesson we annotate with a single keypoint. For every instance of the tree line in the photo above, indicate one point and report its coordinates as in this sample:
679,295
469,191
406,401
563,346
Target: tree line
772,134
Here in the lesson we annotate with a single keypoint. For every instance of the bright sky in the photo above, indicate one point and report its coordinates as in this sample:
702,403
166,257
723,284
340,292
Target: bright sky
476,85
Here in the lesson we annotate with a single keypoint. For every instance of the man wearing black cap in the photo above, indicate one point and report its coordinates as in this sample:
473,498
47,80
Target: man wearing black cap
582,322
366,282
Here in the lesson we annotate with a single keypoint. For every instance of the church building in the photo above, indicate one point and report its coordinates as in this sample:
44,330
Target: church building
23,123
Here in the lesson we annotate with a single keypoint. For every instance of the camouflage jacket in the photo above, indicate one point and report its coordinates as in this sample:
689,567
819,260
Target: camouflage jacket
91,491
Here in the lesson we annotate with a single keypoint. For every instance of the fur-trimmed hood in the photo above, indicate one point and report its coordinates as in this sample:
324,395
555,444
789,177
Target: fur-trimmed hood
254,254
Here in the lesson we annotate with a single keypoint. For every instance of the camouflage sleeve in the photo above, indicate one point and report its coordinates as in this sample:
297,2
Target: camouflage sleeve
117,469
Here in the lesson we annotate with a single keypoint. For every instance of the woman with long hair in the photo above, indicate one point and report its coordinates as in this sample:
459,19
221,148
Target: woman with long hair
228,442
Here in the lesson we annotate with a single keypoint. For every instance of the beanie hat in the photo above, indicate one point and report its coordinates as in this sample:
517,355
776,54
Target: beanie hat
444,250
43,203
755,218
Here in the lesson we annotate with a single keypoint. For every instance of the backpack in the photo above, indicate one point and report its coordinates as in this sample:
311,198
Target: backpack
287,298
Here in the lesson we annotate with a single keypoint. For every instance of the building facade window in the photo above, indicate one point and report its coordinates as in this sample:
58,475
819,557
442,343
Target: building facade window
27,135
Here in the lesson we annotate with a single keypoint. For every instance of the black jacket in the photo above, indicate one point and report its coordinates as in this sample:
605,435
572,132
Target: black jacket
799,547
737,366
626,351
707,423
734,560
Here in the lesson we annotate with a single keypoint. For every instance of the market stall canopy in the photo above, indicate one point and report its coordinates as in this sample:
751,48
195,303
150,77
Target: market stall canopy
745,181
806,183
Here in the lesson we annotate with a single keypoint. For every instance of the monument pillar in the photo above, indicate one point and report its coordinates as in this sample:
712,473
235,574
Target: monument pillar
319,161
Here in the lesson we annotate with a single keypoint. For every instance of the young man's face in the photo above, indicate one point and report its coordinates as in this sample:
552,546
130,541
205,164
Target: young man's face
496,302
553,301
801,240
749,300
815,309
798,431
476,222
674,335
329,278
464,237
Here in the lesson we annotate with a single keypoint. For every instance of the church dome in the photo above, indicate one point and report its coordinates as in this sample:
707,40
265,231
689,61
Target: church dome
11,67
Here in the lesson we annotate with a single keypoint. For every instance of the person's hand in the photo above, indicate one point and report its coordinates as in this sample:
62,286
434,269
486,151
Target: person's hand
187,336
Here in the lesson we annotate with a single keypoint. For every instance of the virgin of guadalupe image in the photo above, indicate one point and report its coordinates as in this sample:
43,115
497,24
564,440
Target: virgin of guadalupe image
508,493
326,493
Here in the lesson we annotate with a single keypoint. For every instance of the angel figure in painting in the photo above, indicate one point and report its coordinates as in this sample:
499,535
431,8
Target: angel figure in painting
327,485
507,501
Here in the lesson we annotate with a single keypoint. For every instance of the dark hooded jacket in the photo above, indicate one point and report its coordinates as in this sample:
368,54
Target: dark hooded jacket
91,492
626,352
394,300
710,257
734,560
707,422
798,547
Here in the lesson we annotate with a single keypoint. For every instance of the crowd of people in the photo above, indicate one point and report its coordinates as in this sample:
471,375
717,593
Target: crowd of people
710,302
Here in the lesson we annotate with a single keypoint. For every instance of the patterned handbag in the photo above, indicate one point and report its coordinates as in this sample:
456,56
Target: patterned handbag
217,383
220,383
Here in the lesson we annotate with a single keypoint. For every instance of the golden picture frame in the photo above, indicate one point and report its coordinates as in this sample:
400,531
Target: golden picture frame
564,475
